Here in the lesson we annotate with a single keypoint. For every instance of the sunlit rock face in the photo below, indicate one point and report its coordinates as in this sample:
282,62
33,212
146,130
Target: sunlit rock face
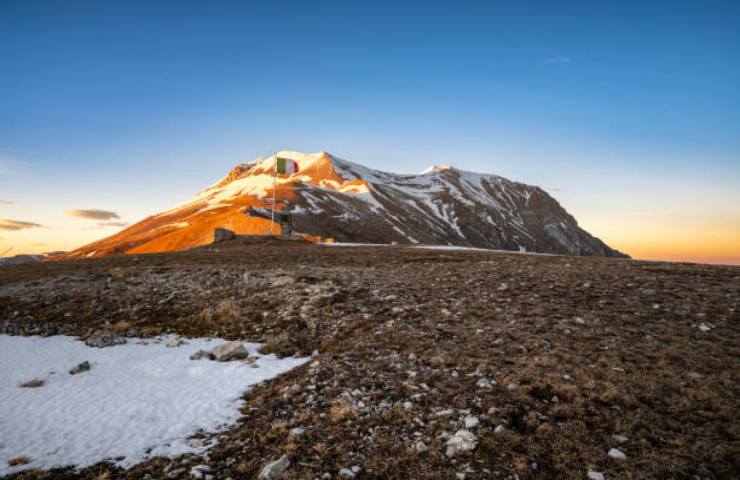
334,198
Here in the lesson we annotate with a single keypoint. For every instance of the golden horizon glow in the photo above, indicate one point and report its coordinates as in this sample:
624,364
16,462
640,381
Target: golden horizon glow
642,239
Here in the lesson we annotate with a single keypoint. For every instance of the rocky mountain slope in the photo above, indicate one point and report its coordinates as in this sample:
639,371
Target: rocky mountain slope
333,198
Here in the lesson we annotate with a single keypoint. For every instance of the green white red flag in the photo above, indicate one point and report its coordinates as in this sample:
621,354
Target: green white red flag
285,165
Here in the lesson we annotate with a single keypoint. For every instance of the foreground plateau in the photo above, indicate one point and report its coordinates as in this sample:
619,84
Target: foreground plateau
427,363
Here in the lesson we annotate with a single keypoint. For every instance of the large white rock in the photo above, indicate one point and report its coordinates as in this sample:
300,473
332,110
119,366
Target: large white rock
462,441
229,351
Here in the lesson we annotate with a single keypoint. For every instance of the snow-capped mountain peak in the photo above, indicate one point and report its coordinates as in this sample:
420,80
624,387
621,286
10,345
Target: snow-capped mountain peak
332,197
435,169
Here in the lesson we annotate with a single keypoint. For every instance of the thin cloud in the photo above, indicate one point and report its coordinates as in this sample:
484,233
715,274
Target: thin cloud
13,225
7,202
558,60
112,224
92,214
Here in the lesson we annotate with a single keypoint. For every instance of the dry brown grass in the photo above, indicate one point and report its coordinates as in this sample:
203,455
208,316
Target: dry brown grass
342,410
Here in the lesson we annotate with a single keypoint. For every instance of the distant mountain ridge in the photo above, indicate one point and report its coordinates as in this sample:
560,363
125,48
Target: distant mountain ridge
331,197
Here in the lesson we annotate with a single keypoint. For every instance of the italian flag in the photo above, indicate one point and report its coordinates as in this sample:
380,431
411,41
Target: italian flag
285,165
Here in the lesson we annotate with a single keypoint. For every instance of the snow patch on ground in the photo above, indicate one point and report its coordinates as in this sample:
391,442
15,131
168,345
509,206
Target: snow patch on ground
139,400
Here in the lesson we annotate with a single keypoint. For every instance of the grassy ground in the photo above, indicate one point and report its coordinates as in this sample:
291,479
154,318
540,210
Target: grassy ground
582,355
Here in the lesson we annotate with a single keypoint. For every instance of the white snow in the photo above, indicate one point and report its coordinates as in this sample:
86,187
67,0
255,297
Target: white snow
434,169
458,248
346,244
139,400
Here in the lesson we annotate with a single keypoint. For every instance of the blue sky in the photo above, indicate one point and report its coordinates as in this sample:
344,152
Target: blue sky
628,112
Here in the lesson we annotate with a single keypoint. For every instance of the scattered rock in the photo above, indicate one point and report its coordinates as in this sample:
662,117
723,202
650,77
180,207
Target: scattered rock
196,443
35,383
104,339
200,354
274,470
484,383
594,475
616,454
471,421
421,447
619,438
230,351
349,472
82,367
462,441
201,472
296,432
499,429
174,343
176,473
17,461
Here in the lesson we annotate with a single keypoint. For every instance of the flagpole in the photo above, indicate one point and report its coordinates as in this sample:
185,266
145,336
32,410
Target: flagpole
274,181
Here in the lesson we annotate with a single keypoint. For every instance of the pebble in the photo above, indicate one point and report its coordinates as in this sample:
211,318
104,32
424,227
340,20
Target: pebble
176,473
483,382
82,367
274,470
104,339
619,438
471,421
346,473
174,343
201,472
201,354
499,429
296,432
616,454
594,475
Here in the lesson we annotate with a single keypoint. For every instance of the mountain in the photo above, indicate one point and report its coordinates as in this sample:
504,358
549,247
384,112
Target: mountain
331,197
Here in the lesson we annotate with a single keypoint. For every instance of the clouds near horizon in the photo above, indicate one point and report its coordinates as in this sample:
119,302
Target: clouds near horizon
13,225
92,214
7,202
112,224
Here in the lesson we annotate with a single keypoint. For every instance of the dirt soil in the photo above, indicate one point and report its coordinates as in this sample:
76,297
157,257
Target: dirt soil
558,359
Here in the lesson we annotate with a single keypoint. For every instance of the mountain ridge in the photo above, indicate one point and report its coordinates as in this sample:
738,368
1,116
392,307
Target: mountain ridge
334,198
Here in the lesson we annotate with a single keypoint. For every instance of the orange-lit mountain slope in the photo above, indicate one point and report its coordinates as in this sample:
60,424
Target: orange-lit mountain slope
331,197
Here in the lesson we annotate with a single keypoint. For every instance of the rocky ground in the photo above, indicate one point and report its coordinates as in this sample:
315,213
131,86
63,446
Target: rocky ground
431,363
